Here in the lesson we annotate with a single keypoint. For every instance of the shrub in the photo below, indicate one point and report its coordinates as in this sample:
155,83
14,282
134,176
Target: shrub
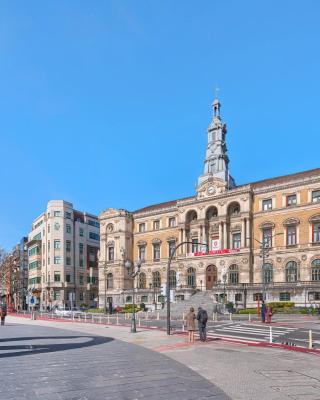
95,310
281,304
247,311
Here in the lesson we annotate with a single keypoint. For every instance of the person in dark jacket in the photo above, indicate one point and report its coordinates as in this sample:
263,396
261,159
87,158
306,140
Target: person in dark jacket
263,311
202,318
3,314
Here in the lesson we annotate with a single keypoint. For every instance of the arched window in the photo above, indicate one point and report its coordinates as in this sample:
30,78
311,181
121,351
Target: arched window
211,213
191,276
156,279
172,279
291,271
233,274
129,299
315,270
233,209
191,216
110,281
142,280
267,273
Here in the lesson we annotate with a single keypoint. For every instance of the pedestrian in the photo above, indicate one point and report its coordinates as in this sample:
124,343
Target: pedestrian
268,313
263,311
202,318
191,325
3,314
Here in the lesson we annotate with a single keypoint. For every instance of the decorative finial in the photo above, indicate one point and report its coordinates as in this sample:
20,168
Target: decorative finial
216,104
216,96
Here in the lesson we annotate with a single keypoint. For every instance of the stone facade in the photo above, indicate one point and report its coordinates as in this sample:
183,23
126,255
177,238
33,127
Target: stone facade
230,220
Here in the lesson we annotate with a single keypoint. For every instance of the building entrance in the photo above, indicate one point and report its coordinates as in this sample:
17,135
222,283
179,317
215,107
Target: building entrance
211,276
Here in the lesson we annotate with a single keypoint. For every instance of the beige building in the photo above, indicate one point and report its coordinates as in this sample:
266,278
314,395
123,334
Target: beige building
63,257
279,217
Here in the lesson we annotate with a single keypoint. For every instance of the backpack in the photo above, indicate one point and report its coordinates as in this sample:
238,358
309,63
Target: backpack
203,317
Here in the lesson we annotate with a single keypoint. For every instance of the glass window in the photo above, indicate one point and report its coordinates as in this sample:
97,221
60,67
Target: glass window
81,232
68,278
238,297
48,260
110,253
144,299
267,273
195,245
316,232
81,296
257,296
291,235
142,227
284,296
81,263
68,260
291,200
68,228
56,213
172,279
80,248
156,225
110,281
291,271
156,279
56,244
56,226
142,280
48,228
315,270
68,245
172,222
267,237
171,246
48,245
57,260
142,253
267,204
156,251
129,299
191,277
68,215
56,295
56,277
81,279
236,240
233,274
94,236
315,196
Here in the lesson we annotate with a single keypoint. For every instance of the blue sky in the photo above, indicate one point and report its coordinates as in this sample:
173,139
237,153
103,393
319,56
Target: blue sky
106,103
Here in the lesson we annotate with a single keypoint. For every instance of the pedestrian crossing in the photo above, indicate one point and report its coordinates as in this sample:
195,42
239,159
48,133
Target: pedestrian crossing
251,332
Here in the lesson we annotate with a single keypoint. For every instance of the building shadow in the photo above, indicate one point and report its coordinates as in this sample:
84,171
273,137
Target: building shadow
24,349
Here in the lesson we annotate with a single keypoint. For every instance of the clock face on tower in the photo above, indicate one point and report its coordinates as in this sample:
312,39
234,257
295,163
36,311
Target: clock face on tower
211,190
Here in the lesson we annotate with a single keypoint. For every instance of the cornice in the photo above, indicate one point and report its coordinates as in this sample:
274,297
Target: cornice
274,187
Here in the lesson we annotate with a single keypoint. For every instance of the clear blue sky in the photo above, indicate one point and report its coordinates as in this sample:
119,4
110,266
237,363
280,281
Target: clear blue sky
106,103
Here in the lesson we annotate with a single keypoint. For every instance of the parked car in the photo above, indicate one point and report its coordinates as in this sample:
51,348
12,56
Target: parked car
67,312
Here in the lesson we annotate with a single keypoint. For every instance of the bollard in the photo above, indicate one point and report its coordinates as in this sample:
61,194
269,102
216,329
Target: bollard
85,317
183,316
158,316
100,319
182,326
139,322
230,316
117,319
270,334
310,339
108,318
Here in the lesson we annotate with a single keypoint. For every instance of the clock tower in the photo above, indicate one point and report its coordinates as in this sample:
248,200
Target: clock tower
216,174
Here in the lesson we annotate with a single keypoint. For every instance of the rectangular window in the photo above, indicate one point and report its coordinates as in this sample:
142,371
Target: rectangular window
56,244
284,296
172,222
68,246
92,279
291,200
34,281
313,296
48,260
238,297
68,260
68,228
68,215
56,295
267,204
81,297
94,236
156,251
93,223
34,264
142,253
57,260
37,237
81,262
267,237
316,233
68,278
291,235
56,277
81,232
257,296
316,196
48,245
48,228
56,213
142,227
81,279
171,246
110,253
156,225
195,246
236,240
33,251
80,248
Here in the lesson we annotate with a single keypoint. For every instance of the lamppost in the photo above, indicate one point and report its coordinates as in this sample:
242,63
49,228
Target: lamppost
133,271
104,265
168,278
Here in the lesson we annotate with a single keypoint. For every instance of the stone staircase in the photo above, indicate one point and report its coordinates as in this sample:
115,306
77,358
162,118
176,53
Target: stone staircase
202,299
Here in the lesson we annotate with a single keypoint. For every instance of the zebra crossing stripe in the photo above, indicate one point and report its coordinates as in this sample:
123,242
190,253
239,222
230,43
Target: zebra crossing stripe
261,332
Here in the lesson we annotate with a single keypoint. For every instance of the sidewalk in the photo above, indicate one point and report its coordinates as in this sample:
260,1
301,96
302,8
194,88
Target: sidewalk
242,372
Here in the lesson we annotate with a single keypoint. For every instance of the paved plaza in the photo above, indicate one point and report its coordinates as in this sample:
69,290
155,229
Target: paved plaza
48,363
108,362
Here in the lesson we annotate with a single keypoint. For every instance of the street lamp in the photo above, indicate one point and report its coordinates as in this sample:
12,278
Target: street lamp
133,271
168,278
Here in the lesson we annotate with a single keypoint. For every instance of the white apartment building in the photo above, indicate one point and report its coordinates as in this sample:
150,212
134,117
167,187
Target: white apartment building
63,250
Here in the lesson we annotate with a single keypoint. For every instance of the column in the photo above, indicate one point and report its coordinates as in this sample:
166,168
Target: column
243,233
220,234
181,240
248,232
225,236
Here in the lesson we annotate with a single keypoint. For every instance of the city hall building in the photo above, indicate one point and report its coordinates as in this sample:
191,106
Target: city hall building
279,217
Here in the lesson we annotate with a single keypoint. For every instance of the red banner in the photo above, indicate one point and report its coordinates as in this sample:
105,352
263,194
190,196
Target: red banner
213,252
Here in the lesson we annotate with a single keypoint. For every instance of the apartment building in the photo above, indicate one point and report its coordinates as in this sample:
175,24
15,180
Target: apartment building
63,250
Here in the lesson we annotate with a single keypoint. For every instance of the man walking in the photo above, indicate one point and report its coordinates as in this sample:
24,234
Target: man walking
202,318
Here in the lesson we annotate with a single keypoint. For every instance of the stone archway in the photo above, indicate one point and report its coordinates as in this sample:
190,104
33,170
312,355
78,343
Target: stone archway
211,276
